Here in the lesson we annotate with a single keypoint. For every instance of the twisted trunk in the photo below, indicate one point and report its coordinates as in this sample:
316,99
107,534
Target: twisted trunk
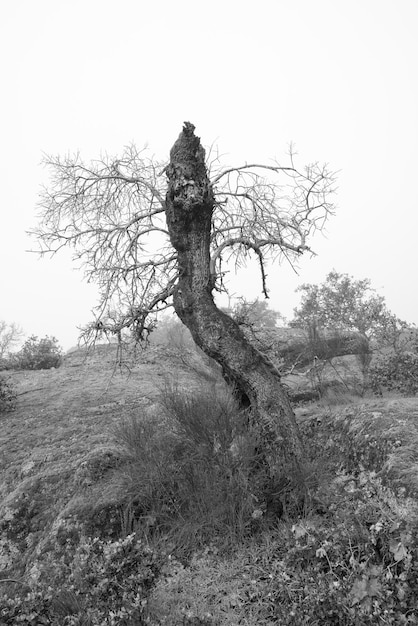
189,208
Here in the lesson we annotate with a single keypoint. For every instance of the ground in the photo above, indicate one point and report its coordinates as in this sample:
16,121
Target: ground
60,466
55,447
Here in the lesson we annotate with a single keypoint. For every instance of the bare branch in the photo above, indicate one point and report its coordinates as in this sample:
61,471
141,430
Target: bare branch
250,167
10,335
269,209
111,214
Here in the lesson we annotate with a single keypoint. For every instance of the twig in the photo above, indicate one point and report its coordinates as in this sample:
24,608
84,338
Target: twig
22,393
12,580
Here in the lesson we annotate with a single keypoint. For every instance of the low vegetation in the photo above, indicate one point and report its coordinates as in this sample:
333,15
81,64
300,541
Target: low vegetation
170,517
396,371
7,395
157,506
38,354
35,354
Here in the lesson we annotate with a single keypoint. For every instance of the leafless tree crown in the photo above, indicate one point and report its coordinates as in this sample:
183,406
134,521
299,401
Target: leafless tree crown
111,214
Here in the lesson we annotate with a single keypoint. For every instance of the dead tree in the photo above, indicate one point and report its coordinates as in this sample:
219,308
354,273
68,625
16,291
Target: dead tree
150,245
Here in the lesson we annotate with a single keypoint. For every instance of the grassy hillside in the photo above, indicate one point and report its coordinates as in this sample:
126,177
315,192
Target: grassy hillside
57,447
126,500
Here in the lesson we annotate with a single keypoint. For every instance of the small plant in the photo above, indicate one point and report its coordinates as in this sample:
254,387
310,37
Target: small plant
96,583
38,354
7,396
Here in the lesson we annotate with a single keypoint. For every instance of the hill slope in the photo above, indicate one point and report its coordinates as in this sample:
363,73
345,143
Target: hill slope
355,535
56,446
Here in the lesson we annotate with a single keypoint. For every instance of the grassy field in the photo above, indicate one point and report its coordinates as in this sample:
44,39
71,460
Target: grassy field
127,497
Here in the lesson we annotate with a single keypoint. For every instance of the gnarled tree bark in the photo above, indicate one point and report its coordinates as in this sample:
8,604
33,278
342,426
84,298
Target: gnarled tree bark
189,209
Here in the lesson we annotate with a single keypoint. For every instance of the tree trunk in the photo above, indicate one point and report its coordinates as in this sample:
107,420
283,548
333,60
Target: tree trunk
189,209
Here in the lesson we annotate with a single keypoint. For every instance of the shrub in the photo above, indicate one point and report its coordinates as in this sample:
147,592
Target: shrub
38,354
352,561
101,583
191,470
355,565
396,372
358,567
7,396
5,363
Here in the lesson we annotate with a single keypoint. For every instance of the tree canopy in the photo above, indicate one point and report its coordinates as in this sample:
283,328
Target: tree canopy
256,313
343,303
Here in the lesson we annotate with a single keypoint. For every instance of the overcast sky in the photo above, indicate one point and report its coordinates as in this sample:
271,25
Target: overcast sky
337,77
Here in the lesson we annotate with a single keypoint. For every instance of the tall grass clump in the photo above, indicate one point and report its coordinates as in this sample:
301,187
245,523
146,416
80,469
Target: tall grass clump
191,468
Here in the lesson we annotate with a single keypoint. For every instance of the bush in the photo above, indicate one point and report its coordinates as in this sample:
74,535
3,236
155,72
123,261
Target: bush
38,354
7,396
396,372
191,470
5,364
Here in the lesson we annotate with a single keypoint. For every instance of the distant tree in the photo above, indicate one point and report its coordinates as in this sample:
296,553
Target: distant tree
256,313
258,322
38,354
170,332
152,242
343,303
10,335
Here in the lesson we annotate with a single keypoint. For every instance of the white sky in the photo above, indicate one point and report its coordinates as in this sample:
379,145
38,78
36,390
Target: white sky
337,77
